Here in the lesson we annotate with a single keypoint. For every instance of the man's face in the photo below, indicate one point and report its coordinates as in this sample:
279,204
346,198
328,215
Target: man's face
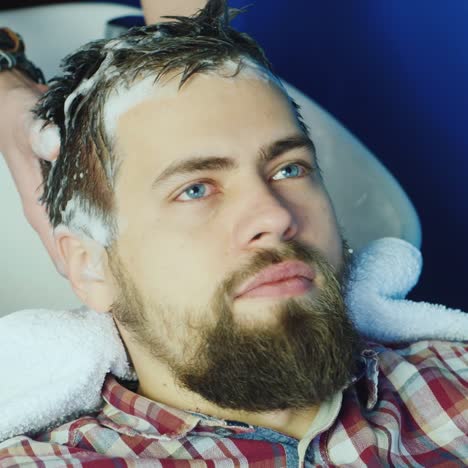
189,241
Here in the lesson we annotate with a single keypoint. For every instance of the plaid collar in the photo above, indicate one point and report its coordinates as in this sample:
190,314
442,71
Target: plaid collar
129,413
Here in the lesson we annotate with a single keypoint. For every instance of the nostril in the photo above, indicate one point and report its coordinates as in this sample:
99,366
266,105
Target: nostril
290,232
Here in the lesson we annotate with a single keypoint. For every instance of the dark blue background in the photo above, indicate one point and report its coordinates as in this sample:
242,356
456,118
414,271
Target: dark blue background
395,73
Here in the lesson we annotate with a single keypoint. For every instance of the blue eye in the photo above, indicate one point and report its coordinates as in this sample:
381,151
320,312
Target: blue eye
199,191
290,171
195,191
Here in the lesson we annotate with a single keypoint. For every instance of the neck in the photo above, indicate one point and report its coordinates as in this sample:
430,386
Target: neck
157,383
292,422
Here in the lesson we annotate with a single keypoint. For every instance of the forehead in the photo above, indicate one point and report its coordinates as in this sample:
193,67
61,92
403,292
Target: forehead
124,97
209,117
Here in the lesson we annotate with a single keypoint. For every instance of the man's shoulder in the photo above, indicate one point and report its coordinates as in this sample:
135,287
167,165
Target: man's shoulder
411,405
52,445
432,369
424,354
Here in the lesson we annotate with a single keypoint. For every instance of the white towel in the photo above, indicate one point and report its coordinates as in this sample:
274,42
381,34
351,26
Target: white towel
383,273
53,363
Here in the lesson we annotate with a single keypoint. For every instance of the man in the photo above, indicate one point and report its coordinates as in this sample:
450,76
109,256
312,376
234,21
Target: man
187,200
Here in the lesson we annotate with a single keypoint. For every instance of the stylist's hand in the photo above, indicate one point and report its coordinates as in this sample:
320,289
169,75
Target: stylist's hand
22,143
155,10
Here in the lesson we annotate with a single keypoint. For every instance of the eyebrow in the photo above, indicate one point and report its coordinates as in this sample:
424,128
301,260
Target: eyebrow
266,154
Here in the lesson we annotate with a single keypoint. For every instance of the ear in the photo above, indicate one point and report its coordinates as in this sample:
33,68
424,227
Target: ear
86,266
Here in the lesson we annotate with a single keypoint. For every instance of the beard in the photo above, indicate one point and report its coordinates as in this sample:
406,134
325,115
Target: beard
297,361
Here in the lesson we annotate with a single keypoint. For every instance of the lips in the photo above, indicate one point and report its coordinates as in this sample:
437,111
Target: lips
280,272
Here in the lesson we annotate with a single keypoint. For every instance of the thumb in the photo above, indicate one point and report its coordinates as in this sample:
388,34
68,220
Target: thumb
40,222
45,141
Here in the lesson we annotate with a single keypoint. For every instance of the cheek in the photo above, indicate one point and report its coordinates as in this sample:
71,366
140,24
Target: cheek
333,237
170,262
319,226
193,220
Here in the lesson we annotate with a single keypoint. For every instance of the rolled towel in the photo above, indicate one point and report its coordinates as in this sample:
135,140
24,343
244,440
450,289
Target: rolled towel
53,365
382,274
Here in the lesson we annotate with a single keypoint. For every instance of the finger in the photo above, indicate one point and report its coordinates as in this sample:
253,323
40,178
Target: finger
42,87
36,213
42,226
45,141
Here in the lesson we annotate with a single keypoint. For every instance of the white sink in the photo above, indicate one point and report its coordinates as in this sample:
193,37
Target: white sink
368,200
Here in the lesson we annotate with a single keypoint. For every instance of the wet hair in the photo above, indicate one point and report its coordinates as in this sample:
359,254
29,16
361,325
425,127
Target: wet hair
79,185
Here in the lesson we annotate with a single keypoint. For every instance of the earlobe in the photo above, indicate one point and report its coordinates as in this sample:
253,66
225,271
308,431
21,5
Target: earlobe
85,263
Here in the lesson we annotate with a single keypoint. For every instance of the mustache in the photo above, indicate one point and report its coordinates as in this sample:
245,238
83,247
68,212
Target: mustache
263,258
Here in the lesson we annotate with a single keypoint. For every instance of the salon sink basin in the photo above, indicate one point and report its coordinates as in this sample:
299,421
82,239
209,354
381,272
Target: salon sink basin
368,200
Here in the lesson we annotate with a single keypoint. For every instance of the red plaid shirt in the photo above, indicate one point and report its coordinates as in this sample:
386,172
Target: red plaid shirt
407,408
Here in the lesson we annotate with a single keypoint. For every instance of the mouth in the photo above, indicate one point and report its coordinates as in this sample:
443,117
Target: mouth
286,279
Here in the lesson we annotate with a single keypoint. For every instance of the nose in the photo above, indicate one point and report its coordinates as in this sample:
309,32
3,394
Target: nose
266,221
